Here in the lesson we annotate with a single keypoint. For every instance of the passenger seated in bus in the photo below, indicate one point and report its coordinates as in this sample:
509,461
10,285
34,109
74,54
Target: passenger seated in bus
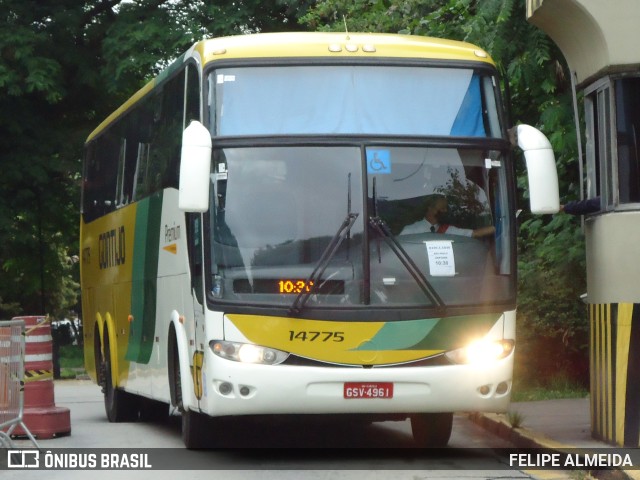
433,221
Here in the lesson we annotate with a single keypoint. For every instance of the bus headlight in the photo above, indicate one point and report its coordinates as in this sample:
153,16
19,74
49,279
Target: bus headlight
481,352
247,352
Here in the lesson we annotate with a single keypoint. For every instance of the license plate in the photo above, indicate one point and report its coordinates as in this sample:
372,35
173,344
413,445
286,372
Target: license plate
368,390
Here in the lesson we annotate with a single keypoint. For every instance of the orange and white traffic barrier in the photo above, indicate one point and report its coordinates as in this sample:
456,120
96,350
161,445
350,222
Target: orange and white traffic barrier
41,415
12,351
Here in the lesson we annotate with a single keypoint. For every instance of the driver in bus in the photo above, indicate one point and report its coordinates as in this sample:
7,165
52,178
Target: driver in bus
433,221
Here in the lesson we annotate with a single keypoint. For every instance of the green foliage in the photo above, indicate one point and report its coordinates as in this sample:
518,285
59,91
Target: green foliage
71,356
515,418
552,329
8,309
557,387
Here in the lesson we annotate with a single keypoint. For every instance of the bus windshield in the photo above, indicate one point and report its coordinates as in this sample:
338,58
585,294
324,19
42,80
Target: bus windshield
353,99
278,214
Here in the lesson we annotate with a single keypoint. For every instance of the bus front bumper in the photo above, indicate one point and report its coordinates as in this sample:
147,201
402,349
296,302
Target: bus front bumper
273,390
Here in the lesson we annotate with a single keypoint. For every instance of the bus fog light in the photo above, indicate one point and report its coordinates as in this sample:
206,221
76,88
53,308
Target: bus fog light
502,388
225,388
244,390
481,352
247,352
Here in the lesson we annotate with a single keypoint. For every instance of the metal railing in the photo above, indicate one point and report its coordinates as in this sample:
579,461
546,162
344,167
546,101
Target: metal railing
12,352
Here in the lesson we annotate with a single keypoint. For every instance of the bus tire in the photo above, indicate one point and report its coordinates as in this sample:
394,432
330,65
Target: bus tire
173,370
194,429
119,405
431,430
98,359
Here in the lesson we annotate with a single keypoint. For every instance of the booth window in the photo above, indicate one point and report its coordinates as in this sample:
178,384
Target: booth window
612,108
627,92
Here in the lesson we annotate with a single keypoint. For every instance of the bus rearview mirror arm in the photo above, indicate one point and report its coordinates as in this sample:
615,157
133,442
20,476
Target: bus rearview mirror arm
195,168
541,168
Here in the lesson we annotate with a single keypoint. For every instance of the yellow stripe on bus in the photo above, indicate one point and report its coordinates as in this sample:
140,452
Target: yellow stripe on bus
351,343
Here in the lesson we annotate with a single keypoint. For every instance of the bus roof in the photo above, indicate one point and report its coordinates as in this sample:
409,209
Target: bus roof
330,45
313,45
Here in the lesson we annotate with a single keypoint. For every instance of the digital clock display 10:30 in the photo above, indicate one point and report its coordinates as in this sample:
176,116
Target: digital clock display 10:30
294,286
288,286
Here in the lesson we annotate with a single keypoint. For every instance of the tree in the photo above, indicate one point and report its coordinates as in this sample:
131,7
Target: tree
64,65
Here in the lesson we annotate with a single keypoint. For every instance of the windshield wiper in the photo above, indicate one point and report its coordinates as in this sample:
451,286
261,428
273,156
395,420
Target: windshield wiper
329,252
383,230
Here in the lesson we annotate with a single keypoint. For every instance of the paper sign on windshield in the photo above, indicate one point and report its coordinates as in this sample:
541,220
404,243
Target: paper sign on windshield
441,260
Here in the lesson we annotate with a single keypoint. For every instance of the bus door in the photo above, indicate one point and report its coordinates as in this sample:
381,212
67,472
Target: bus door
194,227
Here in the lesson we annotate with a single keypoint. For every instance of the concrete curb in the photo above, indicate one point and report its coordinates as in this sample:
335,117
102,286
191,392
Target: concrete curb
520,437
523,438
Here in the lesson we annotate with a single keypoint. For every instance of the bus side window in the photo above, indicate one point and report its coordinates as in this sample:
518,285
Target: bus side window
140,182
166,138
157,128
100,177
192,96
128,131
141,122
120,200
126,170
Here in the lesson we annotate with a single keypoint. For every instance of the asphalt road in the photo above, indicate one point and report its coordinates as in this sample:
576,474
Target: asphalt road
283,450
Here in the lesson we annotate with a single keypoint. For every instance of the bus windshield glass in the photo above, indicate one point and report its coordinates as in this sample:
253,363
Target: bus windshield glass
278,215
355,99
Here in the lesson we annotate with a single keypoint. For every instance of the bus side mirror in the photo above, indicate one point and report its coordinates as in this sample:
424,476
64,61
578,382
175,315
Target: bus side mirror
541,170
195,168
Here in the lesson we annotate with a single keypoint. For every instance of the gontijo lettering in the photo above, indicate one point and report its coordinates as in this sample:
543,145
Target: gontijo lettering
111,248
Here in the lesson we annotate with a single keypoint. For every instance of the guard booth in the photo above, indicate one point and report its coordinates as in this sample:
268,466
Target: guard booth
600,40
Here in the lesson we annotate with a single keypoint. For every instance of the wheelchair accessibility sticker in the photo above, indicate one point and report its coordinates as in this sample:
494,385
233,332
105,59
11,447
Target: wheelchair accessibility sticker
378,161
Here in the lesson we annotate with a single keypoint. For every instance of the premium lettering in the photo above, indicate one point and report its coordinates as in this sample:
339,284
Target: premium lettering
171,234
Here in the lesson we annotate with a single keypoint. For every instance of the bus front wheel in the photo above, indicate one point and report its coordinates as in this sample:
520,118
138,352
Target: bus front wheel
198,430
431,430
195,433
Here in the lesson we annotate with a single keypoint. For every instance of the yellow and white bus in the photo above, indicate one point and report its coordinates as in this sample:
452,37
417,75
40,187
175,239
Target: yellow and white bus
245,234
